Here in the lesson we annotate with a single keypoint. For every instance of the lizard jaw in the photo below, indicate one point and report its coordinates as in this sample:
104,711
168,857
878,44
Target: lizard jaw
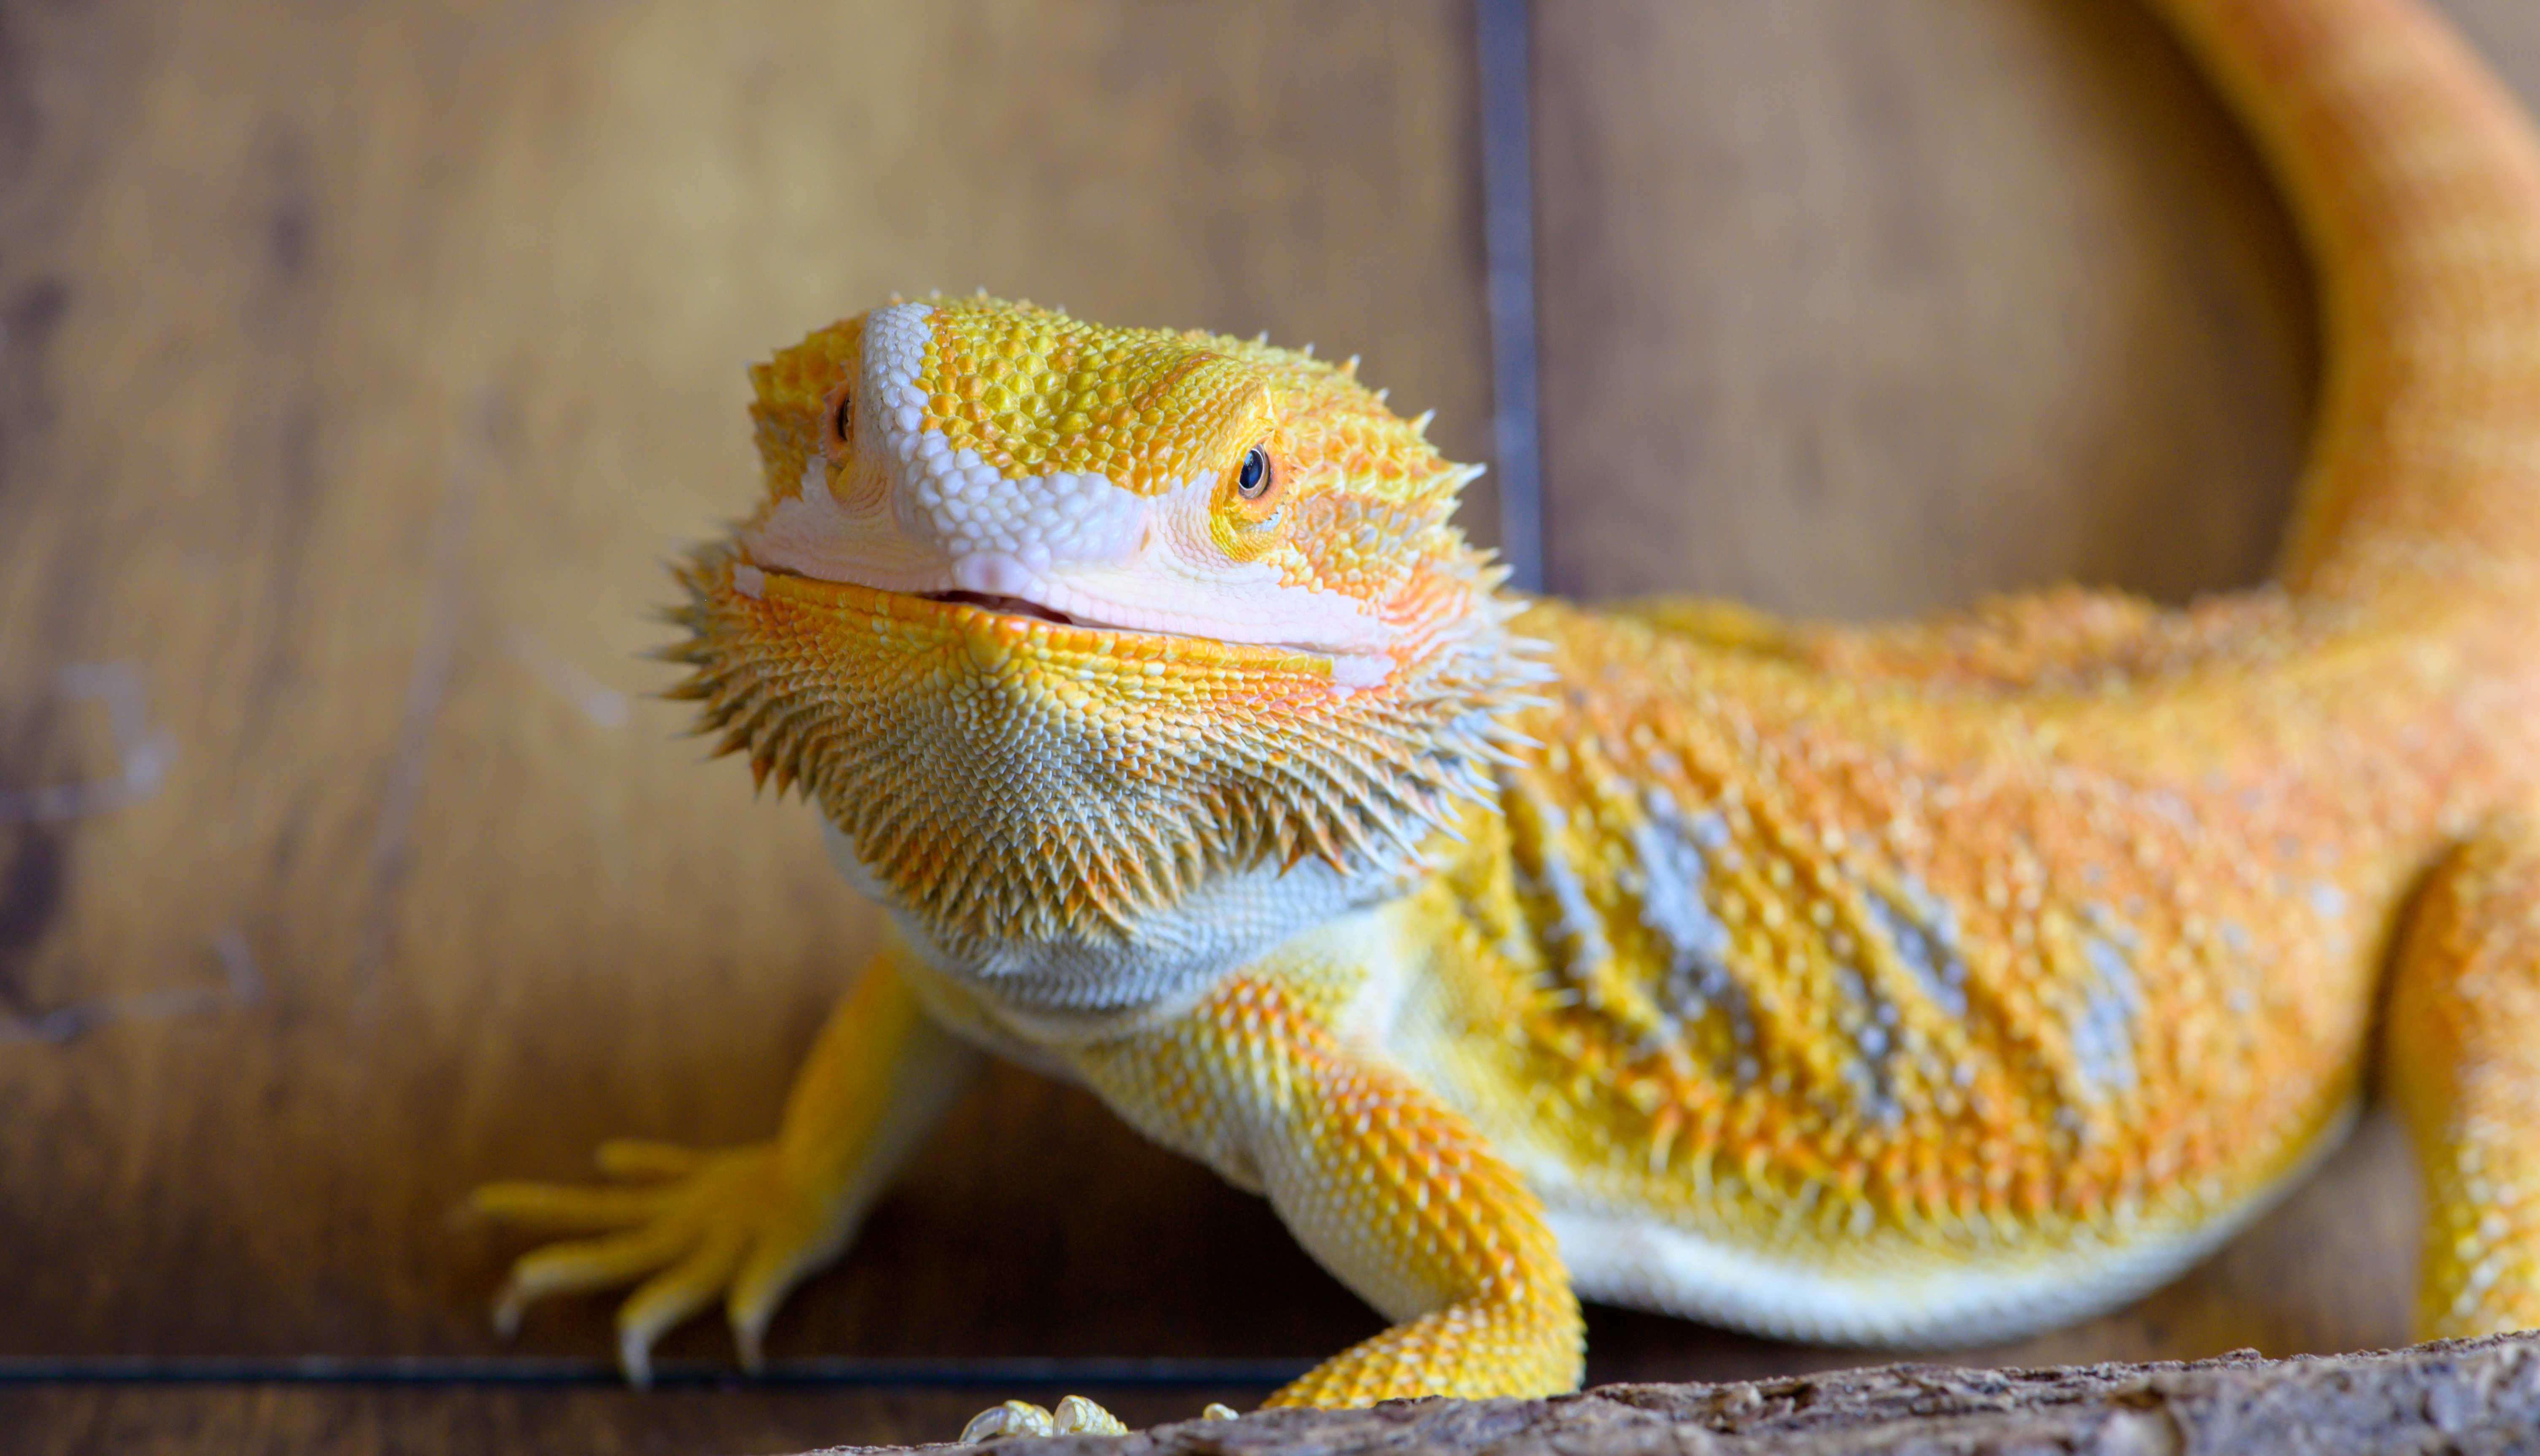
1010,606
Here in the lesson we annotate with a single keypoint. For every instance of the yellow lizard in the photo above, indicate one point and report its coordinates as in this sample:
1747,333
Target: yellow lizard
1923,984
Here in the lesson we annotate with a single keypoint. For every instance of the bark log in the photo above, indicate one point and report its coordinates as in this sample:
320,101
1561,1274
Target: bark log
2466,1396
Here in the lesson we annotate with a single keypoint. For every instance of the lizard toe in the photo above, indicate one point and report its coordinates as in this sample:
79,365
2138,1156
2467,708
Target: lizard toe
727,1226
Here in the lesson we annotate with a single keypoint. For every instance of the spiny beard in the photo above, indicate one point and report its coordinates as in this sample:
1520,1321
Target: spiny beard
1020,810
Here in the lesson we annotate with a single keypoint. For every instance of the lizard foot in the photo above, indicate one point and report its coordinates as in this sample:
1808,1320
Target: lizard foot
1075,1416
690,1224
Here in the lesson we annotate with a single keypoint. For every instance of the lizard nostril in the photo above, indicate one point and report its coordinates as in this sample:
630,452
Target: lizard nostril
838,422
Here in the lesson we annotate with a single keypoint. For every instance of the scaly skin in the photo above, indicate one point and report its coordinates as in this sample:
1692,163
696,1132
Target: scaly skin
1922,983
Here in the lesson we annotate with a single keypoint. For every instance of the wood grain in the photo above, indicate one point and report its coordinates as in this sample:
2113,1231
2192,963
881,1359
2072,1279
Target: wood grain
1862,309
1856,311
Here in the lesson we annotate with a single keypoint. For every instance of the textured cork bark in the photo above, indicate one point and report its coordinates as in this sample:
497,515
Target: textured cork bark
2472,1396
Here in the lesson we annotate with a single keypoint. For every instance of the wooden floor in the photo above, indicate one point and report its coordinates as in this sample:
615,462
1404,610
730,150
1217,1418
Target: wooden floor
360,364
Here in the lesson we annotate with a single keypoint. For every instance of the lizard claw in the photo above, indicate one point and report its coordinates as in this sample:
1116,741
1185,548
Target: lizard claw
1075,1416
1014,1417
701,1226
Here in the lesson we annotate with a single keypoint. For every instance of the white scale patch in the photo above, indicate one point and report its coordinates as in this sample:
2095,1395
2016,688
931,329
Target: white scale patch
2102,1027
1924,933
1579,930
1674,849
2103,1036
1870,1074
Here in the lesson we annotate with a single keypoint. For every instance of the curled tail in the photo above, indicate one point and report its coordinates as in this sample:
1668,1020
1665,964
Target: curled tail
2416,179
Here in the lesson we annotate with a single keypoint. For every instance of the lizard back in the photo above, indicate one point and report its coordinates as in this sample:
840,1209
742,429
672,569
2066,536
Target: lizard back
2062,917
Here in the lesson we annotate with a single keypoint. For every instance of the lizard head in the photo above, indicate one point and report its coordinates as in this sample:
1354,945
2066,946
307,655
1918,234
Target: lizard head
1056,620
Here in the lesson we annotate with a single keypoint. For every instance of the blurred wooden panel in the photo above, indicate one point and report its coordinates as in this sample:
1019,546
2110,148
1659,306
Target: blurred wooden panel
1856,308
362,366
1861,308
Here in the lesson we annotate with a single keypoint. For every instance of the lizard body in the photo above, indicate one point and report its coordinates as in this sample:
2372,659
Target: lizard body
1916,984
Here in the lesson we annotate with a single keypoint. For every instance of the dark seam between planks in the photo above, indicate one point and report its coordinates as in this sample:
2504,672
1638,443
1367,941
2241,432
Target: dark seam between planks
1502,45
26,1370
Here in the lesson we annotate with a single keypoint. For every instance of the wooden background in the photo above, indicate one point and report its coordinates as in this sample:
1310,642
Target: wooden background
359,365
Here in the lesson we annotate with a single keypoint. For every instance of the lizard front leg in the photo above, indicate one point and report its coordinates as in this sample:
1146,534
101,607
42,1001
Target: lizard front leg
1392,1190
746,1223
2461,1052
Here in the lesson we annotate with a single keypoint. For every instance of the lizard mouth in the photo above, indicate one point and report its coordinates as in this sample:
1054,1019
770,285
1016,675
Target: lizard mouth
1010,607
750,577
1099,630
1073,635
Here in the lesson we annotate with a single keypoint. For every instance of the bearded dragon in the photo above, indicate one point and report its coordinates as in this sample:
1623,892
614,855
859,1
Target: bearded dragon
1908,985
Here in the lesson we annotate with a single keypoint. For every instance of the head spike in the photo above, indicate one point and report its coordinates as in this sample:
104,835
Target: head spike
1349,367
1308,351
1419,426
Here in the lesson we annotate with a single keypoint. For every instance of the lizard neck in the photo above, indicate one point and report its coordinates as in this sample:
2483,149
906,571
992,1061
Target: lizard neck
1089,982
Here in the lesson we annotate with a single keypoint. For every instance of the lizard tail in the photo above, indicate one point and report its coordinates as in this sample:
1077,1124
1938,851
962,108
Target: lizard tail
2416,178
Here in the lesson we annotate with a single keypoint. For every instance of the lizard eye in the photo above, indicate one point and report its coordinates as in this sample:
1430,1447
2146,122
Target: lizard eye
838,421
1253,480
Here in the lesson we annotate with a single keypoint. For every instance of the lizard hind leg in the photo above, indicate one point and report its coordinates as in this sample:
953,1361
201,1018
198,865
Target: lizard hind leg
2461,1057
